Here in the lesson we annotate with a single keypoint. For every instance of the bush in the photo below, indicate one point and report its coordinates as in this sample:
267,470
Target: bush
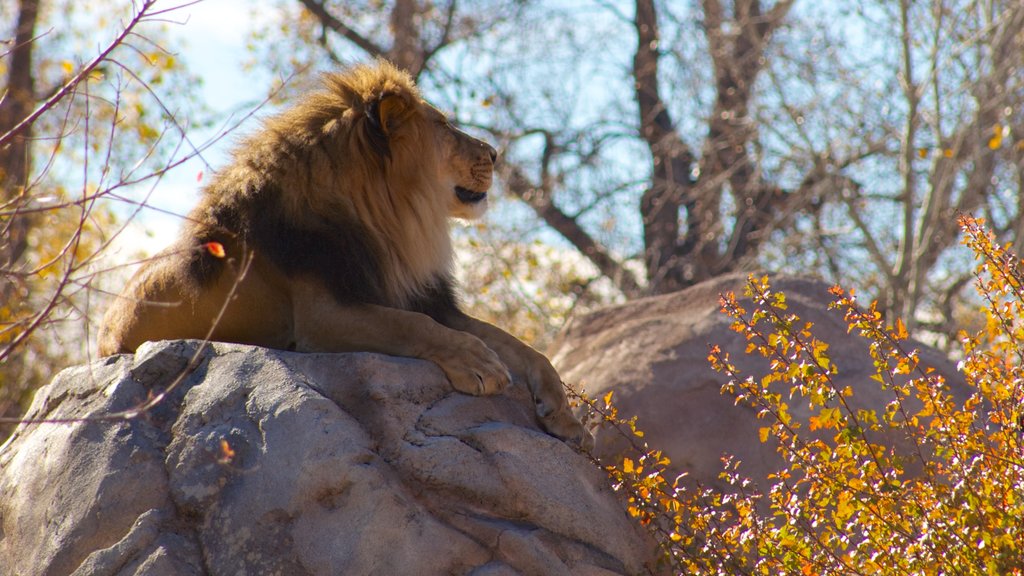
951,503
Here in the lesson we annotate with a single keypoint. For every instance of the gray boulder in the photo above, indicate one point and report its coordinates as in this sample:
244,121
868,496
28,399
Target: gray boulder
267,462
653,354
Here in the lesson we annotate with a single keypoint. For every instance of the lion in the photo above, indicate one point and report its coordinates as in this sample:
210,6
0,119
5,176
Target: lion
328,232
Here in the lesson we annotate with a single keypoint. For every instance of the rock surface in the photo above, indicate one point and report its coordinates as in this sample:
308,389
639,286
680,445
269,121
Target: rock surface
653,353
269,462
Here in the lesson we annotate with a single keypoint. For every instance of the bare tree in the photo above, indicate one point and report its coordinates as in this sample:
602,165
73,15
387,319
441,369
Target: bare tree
678,254
961,85
898,136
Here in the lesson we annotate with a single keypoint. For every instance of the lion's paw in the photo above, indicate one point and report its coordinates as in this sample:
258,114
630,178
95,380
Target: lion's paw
562,424
473,368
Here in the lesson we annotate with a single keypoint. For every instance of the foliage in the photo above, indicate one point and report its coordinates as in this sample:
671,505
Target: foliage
948,501
89,127
530,289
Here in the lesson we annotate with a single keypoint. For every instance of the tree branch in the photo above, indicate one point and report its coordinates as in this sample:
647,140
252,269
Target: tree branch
539,199
406,51
446,34
738,58
670,189
327,19
936,228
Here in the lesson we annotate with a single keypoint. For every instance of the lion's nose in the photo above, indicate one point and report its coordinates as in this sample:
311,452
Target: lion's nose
492,152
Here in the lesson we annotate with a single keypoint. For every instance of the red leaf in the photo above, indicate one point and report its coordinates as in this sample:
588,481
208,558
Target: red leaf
215,248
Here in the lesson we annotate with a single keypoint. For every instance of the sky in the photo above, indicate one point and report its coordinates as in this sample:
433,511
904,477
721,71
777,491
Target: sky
209,36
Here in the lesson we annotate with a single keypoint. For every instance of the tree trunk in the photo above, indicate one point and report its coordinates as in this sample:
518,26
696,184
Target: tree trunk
18,102
670,189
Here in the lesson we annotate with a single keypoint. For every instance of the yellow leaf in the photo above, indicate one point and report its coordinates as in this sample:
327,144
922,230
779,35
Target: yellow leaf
762,433
843,508
627,465
997,137
901,330
146,131
67,66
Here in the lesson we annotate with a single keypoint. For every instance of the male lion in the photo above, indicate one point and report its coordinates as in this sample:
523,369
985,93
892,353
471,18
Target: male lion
333,222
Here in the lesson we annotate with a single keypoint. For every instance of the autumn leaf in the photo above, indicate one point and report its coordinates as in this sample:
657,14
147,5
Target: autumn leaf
216,249
997,137
900,330
227,453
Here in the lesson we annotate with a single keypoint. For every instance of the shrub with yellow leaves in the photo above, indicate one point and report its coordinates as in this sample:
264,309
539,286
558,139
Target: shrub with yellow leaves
951,503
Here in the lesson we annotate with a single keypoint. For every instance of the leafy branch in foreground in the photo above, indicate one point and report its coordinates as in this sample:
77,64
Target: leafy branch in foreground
933,483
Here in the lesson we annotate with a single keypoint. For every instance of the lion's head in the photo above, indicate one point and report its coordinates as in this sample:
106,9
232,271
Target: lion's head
369,147
401,124
376,113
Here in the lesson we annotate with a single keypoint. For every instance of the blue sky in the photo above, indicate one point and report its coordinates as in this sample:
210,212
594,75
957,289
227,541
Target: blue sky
209,37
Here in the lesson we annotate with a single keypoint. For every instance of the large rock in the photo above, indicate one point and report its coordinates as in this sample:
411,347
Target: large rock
268,462
653,354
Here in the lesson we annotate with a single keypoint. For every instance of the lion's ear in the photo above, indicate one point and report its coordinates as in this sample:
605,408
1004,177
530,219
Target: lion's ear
385,114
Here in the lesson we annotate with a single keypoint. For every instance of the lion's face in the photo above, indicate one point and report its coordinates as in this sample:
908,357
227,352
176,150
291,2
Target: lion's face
413,138
467,163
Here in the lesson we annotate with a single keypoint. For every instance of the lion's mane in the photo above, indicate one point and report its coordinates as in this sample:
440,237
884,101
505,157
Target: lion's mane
318,190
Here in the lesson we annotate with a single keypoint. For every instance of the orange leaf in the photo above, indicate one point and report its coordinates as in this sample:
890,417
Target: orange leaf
216,249
997,137
901,330
226,452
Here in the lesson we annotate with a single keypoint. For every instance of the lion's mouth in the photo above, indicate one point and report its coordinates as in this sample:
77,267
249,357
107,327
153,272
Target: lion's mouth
467,196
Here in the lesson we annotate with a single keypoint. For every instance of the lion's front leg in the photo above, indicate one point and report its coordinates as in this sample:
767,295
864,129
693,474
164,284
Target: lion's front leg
323,325
532,367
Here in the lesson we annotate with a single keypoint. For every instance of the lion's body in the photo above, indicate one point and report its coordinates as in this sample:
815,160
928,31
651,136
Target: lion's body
333,220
